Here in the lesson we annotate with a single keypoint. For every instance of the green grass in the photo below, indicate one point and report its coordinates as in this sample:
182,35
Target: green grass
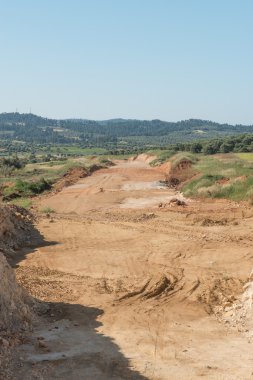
205,181
225,176
47,210
75,150
229,166
37,177
237,191
51,172
26,189
183,156
162,156
124,156
245,156
22,202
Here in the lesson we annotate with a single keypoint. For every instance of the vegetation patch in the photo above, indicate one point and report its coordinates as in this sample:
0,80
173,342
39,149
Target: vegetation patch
25,189
202,185
162,156
181,158
221,178
47,210
245,156
22,202
181,169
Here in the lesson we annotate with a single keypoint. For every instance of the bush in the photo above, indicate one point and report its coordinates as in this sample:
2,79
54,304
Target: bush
47,210
25,189
40,186
180,157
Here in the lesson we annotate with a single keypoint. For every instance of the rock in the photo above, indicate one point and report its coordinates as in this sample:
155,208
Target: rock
4,342
42,344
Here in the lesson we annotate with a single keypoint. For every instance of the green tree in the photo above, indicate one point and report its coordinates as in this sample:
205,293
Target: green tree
196,147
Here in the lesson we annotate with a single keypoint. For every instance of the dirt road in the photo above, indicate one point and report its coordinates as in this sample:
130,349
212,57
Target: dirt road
138,291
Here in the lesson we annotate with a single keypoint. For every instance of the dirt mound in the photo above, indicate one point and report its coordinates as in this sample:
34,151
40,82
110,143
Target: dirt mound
74,174
174,201
16,227
237,314
15,316
219,292
165,167
15,230
14,312
180,171
70,178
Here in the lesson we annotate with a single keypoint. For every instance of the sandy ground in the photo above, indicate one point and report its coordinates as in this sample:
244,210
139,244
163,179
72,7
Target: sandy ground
137,291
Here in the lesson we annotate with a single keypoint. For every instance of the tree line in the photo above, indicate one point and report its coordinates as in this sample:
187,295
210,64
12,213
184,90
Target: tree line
236,144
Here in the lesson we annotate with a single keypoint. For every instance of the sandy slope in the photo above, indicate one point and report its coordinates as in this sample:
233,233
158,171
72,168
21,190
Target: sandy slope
135,290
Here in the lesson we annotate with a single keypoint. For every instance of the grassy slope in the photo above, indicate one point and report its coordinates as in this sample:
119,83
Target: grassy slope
33,173
222,176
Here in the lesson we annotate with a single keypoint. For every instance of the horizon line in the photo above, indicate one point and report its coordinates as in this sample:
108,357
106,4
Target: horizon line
126,119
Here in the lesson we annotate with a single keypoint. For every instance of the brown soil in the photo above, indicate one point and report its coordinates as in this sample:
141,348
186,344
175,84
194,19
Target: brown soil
15,304
180,173
135,291
70,177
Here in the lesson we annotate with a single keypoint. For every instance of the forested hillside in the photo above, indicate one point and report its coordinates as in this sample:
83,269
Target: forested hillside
34,129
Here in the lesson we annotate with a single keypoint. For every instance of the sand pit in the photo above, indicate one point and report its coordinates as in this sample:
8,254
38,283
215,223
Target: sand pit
133,292
110,188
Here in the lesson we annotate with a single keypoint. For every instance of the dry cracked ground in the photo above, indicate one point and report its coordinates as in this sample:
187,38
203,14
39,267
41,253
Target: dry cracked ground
135,286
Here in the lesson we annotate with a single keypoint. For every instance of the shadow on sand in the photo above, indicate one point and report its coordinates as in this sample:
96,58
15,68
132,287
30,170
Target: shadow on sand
74,348
36,240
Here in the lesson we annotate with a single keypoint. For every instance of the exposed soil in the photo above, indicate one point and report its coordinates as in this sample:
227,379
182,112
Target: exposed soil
178,174
16,306
70,177
138,292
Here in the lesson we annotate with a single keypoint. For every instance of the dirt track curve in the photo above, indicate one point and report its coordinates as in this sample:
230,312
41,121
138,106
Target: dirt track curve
137,291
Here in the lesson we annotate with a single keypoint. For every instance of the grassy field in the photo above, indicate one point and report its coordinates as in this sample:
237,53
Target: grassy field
245,156
226,165
222,176
74,150
162,155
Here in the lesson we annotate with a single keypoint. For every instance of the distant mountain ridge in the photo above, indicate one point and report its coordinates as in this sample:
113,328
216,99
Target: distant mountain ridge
36,129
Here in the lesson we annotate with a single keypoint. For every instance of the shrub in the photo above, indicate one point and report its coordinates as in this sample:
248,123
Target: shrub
47,210
25,189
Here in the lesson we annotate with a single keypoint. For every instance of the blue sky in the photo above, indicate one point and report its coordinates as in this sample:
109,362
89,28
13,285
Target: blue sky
147,59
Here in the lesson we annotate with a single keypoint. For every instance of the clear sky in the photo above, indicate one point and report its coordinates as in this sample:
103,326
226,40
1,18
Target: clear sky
147,59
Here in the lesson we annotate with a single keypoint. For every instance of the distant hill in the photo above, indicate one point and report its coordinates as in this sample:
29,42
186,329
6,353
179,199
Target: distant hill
35,129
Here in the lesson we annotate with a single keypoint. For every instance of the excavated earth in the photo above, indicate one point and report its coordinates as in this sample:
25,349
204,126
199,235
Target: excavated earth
137,285
16,306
